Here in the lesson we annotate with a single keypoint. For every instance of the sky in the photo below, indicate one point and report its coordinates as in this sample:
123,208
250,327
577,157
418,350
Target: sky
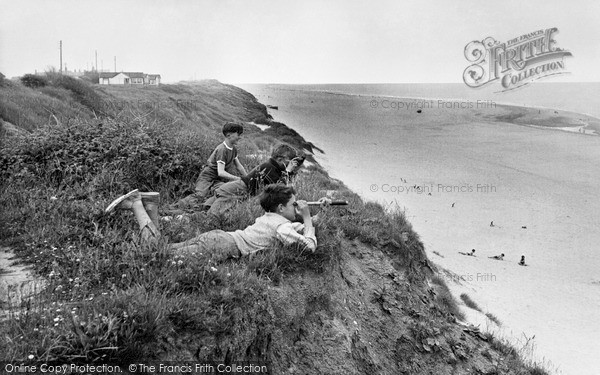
281,41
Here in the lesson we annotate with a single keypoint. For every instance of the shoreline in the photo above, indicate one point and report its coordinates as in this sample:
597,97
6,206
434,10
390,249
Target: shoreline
593,121
516,103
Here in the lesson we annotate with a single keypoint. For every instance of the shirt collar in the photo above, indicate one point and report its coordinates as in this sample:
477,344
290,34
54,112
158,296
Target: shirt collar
276,216
229,148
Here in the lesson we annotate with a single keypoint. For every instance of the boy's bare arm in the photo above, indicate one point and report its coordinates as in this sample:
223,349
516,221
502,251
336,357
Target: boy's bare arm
240,167
309,229
224,174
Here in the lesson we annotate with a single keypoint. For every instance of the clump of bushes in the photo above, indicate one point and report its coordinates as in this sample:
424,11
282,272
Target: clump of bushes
81,90
104,156
34,81
91,77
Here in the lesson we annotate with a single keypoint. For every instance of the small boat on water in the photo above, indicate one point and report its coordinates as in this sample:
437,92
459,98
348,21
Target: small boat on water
272,106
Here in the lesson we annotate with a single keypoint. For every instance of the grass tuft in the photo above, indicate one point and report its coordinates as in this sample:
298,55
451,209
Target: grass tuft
469,302
494,319
444,298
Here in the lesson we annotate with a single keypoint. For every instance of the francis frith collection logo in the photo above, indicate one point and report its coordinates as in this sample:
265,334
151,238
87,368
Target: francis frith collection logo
515,63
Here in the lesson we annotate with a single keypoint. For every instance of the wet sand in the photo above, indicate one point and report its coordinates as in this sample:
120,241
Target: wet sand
492,166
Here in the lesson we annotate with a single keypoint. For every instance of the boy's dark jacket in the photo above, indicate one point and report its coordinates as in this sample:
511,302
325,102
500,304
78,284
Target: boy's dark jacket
269,172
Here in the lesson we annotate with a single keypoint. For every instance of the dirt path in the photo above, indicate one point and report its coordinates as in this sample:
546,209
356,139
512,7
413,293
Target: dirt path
17,283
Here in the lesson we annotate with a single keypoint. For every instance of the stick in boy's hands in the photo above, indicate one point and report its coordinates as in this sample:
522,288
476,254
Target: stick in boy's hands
328,202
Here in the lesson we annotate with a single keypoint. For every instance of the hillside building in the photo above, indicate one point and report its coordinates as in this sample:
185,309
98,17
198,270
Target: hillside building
129,78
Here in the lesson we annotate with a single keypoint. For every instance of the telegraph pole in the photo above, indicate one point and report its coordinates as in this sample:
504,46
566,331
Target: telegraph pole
115,64
60,69
96,61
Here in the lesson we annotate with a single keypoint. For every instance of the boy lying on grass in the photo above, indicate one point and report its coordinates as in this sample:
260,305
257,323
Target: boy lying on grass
278,201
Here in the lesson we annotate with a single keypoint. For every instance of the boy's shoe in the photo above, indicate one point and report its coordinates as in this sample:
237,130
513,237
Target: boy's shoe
124,202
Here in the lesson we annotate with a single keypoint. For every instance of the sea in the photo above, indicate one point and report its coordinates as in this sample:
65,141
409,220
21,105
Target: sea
580,97
492,186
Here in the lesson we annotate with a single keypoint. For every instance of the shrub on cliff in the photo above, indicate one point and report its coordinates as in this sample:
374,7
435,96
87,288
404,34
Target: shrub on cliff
1,79
34,81
91,77
81,90
103,157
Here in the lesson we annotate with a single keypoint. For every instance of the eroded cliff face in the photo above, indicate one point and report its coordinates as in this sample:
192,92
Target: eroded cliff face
360,314
365,317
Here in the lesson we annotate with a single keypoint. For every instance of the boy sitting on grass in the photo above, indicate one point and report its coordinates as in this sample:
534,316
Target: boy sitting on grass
219,167
279,169
278,201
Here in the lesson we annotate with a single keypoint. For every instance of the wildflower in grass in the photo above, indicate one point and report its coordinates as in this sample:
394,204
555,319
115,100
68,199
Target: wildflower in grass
30,356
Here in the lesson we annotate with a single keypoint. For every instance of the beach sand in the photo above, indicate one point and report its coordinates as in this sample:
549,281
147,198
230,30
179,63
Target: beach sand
493,167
